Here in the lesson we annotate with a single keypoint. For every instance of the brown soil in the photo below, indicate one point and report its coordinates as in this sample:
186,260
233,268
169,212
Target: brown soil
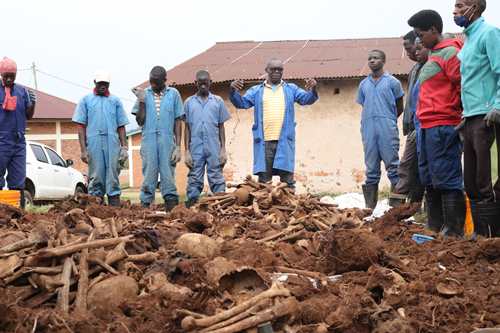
387,283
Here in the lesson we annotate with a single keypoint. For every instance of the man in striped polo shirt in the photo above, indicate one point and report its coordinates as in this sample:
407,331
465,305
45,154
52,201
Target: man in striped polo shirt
274,121
159,111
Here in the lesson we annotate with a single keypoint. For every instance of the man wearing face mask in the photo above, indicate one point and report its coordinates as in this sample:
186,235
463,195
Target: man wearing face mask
101,132
159,112
17,104
274,121
480,69
205,139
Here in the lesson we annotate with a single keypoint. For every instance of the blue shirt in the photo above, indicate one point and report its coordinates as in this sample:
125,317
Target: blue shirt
378,97
205,116
170,109
102,115
14,121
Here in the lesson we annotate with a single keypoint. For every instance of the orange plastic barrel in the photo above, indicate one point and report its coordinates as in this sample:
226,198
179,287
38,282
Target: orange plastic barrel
469,222
9,197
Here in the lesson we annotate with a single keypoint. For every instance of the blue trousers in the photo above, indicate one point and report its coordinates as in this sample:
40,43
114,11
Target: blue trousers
156,152
440,158
12,160
381,143
103,165
205,159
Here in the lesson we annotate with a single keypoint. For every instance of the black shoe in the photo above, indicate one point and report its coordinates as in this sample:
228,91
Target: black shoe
114,200
434,209
145,204
454,213
170,204
190,203
370,193
486,217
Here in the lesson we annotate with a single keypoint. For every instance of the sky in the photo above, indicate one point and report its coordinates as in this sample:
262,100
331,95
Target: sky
72,39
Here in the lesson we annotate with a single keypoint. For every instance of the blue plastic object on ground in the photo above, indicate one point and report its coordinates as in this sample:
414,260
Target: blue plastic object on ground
420,239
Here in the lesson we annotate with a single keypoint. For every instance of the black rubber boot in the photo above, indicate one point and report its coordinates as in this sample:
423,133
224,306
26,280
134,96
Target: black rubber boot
22,199
486,218
170,204
416,194
454,213
370,193
190,202
396,200
434,208
114,200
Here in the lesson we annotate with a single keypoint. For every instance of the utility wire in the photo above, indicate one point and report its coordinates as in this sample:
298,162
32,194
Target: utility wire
76,84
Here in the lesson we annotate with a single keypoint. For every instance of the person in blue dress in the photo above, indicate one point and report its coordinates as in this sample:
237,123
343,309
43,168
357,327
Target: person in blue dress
101,132
159,112
205,139
17,104
381,96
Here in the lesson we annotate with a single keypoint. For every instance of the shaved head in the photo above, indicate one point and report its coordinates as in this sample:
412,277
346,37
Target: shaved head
274,62
202,74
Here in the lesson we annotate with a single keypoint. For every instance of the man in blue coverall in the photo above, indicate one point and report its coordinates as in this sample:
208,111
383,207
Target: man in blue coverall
205,139
274,121
159,111
101,132
17,104
381,96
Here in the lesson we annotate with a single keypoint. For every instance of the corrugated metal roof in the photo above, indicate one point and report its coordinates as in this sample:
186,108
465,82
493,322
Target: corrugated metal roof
322,59
52,107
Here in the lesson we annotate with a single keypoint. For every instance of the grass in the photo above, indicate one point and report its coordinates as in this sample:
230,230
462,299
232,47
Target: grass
34,209
134,196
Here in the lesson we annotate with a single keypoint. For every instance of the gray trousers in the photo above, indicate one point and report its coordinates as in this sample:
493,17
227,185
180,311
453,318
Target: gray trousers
409,181
267,176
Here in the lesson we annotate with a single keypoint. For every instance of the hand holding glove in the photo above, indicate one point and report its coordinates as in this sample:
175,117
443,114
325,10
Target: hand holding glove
223,157
123,155
32,96
139,93
492,118
176,155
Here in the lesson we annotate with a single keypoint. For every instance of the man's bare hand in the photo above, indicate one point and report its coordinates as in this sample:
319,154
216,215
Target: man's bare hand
238,85
311,84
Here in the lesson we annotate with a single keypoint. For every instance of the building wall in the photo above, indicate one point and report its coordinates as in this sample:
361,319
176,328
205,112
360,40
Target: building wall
329,152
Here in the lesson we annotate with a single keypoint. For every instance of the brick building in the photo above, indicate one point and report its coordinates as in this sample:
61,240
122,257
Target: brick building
52,126
329,149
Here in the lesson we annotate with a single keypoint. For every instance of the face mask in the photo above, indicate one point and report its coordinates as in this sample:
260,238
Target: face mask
463,21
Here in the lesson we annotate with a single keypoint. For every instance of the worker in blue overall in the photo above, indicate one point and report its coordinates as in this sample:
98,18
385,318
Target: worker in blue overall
17,104
101,132
159,112
274,121
381,96
205,139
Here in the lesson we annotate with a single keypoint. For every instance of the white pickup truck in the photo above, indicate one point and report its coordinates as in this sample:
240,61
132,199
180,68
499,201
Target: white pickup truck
48,176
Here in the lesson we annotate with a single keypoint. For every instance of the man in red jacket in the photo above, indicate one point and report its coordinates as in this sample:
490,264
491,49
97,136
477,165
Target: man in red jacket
439,110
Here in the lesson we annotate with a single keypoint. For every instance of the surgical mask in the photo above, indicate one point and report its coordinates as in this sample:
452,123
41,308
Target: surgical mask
463,21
